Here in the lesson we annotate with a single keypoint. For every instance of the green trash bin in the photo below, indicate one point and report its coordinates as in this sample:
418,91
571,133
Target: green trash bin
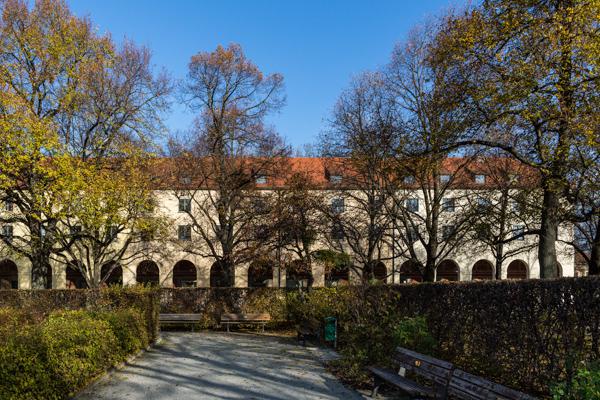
331,330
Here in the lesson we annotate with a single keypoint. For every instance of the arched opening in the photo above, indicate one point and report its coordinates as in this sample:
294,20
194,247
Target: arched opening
260,274
517,270
559,270
337,275
447,270
219,275
375,270
75,279
112,274
483,270
184,274
9,275
147,273
410,272
298,274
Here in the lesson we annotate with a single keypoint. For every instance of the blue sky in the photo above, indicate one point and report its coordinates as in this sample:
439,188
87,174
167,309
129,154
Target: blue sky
317,45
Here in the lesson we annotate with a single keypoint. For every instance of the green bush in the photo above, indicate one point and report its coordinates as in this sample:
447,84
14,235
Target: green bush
585,385
129,328
24,373
413,333
78,347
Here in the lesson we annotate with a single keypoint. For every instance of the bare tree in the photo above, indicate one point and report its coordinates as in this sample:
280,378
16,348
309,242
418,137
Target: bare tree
431,121
358,150
231,158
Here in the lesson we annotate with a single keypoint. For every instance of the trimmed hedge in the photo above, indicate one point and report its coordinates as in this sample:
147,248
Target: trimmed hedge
54,358
40,303
527,334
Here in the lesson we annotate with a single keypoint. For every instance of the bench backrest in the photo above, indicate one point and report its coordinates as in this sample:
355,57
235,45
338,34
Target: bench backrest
245,317
179,317
472,387
435,370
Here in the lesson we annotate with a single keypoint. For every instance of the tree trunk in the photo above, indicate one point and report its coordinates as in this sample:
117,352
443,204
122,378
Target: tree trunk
40,270
548,235
429,274
594,265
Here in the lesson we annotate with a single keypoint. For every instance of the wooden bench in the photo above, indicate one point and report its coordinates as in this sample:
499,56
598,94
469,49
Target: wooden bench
445,378
471,387
246,319
308,328
436,371
179,319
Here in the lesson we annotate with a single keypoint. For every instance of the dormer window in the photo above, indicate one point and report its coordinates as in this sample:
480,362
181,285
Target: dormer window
514,178
480,179
261,180
185,180
409,180
335,179
8,206
444,178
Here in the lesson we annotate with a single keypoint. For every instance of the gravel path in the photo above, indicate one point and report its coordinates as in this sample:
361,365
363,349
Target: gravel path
213,365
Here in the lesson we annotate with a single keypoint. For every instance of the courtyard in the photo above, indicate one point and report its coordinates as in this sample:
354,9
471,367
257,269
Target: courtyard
216,365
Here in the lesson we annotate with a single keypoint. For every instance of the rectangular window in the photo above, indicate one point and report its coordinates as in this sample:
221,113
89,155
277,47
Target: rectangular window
261,180
185,180
185,205
479,179
518,230
337,205
112,232
444,178
184,232
8,206
7,233
482,202
447,232
448,204
409,180
337,231
411,235
412,205
335,178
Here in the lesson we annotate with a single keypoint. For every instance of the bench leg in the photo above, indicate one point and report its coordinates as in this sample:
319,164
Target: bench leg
376,385
227,328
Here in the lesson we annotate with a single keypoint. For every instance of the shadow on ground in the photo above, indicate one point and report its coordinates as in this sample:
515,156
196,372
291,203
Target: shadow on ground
214,365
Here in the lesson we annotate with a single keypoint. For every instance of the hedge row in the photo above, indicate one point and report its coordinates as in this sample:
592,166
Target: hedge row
528,334
41,303
55,357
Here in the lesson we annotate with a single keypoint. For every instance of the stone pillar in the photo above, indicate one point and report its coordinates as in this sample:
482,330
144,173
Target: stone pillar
318,273
24,274
279,277
165,270
203,272
59,276
129,274
241,275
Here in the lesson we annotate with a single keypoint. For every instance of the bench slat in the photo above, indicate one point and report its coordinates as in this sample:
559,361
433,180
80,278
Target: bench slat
419,356
403,383
245,317
179,317
474,387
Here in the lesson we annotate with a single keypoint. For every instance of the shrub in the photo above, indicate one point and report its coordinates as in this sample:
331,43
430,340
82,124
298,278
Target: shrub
24,373
584,385
78,347
129,329
413,333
